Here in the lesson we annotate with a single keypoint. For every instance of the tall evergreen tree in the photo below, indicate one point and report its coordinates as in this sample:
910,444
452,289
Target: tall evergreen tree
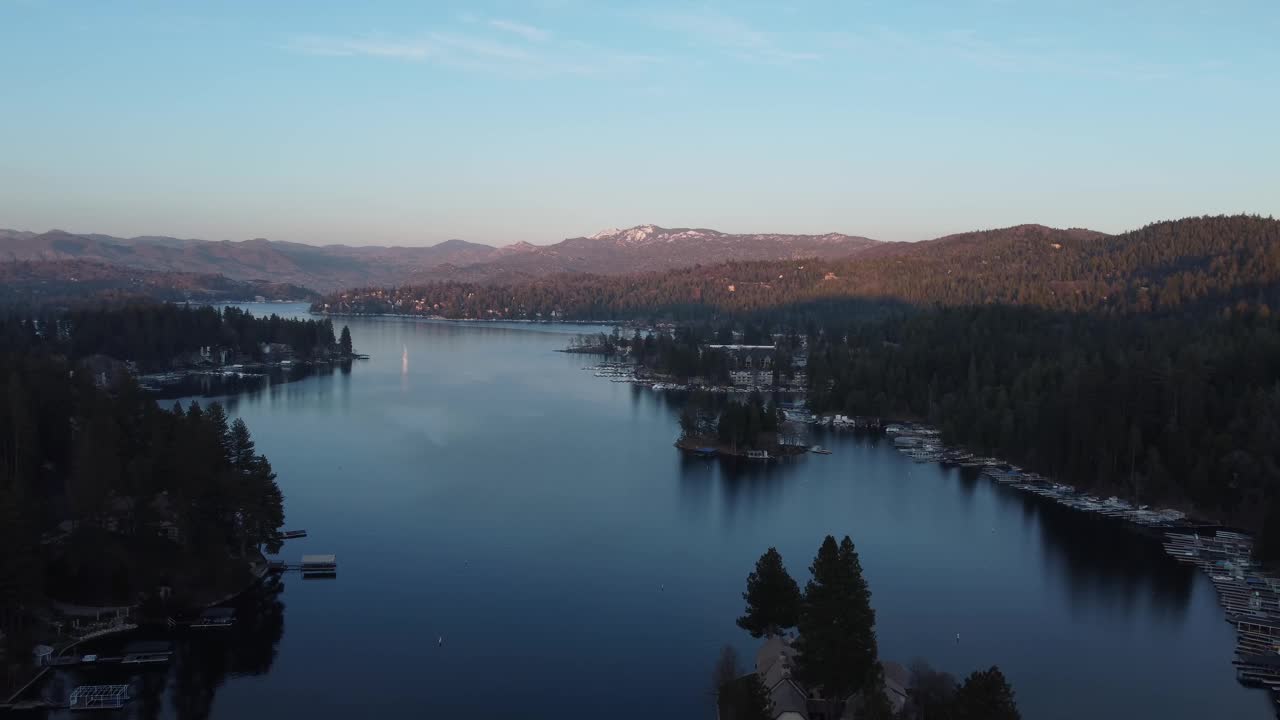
773,597
836,651
344,343
986,695
727,669
756,703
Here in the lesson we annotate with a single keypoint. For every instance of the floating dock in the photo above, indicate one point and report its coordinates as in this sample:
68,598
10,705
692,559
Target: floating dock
319,565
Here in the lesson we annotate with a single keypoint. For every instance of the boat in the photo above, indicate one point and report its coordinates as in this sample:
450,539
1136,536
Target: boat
819,450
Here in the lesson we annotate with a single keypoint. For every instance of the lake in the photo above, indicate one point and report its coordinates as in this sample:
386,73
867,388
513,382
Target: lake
517,538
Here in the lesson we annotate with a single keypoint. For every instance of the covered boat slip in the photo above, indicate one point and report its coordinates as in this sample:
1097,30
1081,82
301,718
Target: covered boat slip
99,697
319,565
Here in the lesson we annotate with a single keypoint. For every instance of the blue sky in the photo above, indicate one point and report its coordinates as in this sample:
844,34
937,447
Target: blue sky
414,122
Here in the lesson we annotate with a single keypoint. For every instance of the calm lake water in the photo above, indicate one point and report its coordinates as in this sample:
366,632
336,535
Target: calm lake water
479,487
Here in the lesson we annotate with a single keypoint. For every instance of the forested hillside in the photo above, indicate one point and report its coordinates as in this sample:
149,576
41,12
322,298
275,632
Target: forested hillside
1161,267
104,495
43,283
1176,409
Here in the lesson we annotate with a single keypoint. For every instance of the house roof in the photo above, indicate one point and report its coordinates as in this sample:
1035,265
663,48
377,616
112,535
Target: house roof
776,646
789,700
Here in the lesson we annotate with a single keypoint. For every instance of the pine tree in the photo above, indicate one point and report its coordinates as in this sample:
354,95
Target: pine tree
689,422
727,669
240,446
756,703
216,416
836,650
344,343
986,695
773,597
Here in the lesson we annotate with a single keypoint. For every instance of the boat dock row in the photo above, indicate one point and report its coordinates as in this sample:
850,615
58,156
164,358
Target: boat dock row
924,444
135,653
1249,595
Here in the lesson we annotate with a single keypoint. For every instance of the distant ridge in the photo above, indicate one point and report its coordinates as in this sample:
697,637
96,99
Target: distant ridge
40,283
330,267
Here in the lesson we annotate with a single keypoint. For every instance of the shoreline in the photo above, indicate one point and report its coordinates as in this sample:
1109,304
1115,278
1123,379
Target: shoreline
441,318
704,446
1190,517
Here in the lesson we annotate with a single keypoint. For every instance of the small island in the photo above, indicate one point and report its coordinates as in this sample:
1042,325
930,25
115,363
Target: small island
750,430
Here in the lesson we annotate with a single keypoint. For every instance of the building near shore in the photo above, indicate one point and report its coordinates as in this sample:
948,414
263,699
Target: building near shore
774,666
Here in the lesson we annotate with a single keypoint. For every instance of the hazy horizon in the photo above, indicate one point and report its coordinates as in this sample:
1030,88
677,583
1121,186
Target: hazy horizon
553,241
501,122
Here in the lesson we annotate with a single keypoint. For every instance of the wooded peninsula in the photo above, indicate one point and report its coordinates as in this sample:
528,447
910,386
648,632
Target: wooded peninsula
106,498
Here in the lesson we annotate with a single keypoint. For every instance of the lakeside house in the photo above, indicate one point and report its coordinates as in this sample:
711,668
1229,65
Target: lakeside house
750,365
775,661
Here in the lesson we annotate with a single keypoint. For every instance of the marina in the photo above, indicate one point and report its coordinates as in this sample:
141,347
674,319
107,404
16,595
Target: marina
1248,595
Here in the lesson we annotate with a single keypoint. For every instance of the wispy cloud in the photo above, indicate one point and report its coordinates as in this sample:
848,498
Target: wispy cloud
450,49
731,35
1011,55
528,32
479,51
368,46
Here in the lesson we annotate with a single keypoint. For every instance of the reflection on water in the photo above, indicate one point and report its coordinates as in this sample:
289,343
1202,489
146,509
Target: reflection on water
247,384
493,492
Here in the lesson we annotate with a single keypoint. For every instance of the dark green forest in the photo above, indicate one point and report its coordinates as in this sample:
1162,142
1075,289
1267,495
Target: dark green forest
105,496
1178,409
154,335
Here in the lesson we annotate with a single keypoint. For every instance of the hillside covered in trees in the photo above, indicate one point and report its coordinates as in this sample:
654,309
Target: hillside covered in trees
1161,267
71,283
105,497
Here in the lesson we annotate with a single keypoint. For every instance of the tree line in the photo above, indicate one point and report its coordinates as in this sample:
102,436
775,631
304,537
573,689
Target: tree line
154,334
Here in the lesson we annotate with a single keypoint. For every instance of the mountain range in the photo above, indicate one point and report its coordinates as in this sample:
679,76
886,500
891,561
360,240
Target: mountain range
65,282
331,267
1190,264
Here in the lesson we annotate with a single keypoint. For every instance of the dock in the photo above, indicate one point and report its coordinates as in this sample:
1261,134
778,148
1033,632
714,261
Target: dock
319,565
310,566
215,617
1250,599
1248,594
